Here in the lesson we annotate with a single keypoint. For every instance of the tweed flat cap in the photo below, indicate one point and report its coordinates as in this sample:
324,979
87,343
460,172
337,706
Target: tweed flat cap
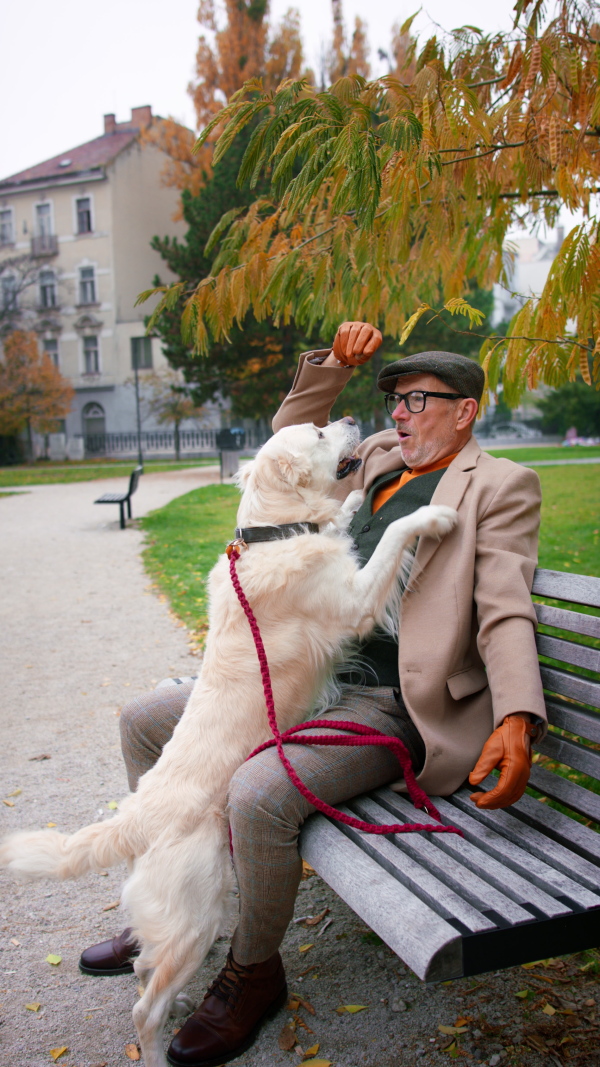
462,374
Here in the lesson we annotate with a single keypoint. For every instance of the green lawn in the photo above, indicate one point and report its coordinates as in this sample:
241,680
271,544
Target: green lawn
528,454
42,473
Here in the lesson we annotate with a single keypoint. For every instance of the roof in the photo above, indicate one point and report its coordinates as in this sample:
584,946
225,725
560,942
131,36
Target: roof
90,156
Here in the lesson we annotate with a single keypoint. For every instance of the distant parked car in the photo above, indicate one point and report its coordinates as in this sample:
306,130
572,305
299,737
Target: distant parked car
516,430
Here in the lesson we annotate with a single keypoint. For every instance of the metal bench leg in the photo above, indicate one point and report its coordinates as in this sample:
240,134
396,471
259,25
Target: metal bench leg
122,510
129,507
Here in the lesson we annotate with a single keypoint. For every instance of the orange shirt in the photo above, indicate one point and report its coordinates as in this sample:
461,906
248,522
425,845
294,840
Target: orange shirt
384,494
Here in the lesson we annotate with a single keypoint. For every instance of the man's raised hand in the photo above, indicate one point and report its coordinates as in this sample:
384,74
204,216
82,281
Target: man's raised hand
355,343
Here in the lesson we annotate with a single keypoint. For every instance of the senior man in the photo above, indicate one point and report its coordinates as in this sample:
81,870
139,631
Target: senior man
461,689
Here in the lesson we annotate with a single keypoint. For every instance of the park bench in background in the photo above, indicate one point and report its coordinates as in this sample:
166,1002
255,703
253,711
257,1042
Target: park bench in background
524,883
123,498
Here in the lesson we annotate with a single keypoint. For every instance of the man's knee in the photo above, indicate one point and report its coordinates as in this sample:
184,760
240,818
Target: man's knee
261,790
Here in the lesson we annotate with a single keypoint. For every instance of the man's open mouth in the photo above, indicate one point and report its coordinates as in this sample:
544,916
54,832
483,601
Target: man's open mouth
347,466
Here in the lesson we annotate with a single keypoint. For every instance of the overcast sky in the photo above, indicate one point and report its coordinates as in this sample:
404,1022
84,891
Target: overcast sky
65,64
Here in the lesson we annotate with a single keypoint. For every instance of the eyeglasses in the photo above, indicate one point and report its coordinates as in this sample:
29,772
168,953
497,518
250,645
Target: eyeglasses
415,400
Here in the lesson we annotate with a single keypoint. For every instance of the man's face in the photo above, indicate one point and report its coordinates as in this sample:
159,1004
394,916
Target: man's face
443,427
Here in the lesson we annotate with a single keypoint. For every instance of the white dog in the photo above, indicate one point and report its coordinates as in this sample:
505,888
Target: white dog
309,596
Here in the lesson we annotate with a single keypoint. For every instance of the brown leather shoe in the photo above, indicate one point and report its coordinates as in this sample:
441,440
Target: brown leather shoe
227,1022
110,957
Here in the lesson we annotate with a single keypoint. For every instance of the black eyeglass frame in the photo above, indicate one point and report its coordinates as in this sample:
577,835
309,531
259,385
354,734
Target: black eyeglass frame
399,397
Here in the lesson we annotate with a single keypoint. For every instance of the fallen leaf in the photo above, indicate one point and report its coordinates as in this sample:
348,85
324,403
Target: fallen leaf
287,1038
103,874
452,1029
524,993
306,866
34,1006
548,1009
351,1008
463,1020
9,803
312,967
14,941
316,1063
305,948
132,1052
299,1021
325,927
15,793
293,1004
316,919
312,1051
53,960
298,1000
103,1064
36,759
112,805
109,907
50,824
56,1053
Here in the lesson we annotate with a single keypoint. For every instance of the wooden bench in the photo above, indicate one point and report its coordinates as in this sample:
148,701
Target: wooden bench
123,498
524,883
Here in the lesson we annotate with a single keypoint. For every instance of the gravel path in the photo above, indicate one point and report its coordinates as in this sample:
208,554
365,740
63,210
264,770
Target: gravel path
81,633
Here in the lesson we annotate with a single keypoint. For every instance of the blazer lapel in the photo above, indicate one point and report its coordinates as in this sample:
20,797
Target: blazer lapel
449,491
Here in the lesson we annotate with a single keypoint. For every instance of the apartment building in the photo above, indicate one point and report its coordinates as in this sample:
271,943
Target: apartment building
86,218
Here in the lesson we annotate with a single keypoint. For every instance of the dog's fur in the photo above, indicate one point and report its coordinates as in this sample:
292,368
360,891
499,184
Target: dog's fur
309,596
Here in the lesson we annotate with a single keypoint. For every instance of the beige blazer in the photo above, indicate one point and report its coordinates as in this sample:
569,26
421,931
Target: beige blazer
467,646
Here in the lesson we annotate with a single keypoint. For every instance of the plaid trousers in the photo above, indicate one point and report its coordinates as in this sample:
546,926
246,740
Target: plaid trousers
265,809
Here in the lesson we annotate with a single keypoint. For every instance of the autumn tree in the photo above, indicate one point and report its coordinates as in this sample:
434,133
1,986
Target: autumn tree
385,194
33,392
167,397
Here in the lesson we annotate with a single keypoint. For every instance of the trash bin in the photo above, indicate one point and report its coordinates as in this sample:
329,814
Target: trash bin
230,442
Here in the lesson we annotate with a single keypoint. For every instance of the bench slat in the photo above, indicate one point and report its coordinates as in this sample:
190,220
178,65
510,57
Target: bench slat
576,720
428,944
538,842
568,652
565,684
449,869
574,588
565,831
552,881
473,861
112,498
570,753
575,796
562,619
411,873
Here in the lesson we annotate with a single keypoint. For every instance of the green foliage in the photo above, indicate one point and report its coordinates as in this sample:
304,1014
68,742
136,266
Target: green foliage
573,404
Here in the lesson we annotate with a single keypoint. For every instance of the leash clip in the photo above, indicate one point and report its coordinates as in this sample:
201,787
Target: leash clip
237,543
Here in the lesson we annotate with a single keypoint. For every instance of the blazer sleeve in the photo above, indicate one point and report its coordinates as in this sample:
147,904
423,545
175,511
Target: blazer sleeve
506,558
313,393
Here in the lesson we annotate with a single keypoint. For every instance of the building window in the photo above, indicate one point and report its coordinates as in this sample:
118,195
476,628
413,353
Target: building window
141,353
7,230
43,220
91,355
9,292
51,350
84,215
47,289
87,285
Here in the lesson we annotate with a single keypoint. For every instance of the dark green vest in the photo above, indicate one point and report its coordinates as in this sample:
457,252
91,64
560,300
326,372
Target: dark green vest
379,654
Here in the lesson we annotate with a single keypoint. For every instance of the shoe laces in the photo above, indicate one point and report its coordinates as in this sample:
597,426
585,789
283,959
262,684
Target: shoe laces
230,981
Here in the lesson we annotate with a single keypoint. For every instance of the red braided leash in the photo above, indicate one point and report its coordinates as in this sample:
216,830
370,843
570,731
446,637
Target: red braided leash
366,736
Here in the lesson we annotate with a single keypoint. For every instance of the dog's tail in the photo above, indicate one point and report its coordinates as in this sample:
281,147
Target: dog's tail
49,854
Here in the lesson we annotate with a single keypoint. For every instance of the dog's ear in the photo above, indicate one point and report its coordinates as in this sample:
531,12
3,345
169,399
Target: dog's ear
242,476
294,469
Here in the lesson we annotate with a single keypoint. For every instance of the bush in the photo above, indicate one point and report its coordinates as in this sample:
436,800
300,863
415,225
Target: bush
574,404
11,451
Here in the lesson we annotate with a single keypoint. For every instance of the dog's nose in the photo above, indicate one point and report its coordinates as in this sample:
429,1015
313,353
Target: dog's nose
349,420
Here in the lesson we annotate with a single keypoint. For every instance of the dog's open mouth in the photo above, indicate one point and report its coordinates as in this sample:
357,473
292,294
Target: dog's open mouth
347,466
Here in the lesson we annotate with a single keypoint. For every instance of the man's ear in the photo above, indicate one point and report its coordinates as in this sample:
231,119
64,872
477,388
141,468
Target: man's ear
294,469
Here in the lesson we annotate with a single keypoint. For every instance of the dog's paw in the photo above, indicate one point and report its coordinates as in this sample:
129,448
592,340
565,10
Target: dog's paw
435,520
182,1006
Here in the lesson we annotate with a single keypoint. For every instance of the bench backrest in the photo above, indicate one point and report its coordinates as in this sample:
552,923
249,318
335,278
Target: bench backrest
571,695
134,479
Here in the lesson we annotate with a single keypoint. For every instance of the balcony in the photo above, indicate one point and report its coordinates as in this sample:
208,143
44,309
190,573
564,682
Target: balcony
46,244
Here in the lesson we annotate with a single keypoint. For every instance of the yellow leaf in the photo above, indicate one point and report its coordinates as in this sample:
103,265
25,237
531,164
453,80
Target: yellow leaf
351,1008
305,948
312,1051
57,1052
316,1063
523,994
53,960
132,1052
50,824
34,1006
15,793
548,1009
9,803
449,1030
109,907
112,805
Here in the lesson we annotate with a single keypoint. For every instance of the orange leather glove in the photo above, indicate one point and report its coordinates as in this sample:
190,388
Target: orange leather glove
355,343
508,749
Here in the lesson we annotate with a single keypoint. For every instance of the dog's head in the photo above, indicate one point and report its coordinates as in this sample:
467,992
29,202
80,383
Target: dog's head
303,462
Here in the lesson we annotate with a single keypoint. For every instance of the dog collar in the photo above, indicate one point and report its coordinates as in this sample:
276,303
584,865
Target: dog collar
250,534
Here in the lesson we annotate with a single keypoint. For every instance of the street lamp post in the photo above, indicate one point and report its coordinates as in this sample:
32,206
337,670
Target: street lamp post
137,410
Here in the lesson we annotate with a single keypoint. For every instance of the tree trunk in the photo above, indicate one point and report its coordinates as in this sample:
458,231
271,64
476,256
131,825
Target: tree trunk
177,442
30,455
